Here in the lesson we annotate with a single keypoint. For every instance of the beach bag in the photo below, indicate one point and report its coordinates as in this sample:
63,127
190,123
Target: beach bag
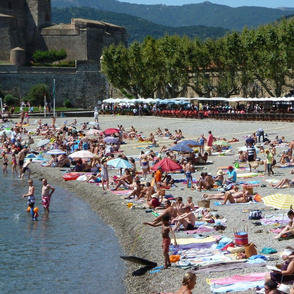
229,187
241,236
255,214
250,249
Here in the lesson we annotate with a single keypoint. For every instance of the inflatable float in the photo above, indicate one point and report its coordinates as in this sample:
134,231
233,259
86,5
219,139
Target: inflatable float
71,176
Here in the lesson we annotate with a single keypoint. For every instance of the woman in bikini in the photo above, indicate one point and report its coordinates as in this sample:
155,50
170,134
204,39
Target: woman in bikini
188,284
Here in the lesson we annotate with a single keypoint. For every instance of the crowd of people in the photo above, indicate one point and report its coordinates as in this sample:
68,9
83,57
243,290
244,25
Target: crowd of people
144,182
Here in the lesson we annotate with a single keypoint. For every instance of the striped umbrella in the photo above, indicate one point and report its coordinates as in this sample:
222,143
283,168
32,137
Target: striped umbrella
280,201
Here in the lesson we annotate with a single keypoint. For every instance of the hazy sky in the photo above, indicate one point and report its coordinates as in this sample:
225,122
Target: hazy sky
232,3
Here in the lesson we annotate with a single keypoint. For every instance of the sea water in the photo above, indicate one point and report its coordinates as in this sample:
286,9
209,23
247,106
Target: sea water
70,251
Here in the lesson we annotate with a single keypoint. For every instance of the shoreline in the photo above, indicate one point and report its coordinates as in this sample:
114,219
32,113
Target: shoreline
144,241
112,213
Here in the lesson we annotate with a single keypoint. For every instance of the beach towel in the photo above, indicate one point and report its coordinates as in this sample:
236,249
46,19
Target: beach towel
225,266
239,278
242,286
121,192
185,241
179,248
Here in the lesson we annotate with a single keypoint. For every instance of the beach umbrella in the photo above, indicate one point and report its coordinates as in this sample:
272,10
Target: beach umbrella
111,131
31,156
181,148
93,132
43,142
280,201
119,163
93,123
221,143
82,154
167,165
56,152
110,140
190,143
8,132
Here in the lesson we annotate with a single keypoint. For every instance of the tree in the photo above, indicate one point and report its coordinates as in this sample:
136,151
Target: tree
174,73
36,94
10,100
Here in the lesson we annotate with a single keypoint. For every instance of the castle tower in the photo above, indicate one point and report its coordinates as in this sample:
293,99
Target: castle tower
38,16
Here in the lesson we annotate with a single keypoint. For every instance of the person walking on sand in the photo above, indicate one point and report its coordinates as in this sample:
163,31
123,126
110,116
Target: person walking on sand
188,169
104,174
47,191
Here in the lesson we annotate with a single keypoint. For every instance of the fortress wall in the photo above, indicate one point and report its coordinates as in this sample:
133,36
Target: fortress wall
73,43
94,44
83,85
5,44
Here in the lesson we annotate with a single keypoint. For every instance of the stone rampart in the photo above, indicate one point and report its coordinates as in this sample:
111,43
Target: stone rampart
84,85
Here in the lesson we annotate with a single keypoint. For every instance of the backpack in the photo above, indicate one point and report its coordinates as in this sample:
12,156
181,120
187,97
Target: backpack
255,214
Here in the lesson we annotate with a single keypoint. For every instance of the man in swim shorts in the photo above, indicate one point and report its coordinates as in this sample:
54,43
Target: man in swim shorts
187,219
47,191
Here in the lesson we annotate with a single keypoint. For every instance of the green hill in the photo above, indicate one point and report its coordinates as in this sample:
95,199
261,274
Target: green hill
206,13
137,28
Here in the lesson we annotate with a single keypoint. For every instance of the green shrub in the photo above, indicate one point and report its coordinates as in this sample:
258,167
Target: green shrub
36,94
10,100
50,56
67,103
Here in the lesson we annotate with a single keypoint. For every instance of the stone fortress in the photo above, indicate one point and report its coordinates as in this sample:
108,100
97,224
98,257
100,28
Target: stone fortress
25,26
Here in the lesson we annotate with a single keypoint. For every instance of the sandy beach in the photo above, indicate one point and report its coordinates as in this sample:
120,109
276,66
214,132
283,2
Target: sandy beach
145,242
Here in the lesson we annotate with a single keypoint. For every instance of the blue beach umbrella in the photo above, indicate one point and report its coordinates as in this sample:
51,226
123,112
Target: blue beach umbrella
119,163
181,148
190,142
110,140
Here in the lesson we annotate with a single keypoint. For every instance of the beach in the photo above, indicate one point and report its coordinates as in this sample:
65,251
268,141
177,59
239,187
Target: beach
145,242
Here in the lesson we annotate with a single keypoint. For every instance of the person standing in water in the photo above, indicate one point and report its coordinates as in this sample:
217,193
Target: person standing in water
47,191
30,194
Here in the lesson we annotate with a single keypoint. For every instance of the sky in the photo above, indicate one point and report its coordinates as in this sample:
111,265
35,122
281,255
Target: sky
232,3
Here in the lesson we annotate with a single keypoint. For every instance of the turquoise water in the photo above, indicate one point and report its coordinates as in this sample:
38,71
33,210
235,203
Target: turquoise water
71,251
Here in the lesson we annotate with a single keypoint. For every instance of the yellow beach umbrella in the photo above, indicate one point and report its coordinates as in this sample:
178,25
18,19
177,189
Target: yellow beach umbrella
280,201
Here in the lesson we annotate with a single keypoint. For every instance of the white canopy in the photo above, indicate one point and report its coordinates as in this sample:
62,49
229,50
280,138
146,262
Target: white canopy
181,100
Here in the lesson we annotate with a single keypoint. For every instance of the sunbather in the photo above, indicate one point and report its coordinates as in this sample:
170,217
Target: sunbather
228,197
289,229
286,273
187,219
235,193
284,182
169,210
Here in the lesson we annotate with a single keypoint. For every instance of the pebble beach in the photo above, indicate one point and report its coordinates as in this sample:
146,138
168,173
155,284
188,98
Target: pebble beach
144,241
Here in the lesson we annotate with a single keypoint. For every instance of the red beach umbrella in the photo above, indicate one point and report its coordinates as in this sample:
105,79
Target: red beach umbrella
111,131
167,165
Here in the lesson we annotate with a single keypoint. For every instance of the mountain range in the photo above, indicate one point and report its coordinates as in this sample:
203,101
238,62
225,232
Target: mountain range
205,14
138,29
